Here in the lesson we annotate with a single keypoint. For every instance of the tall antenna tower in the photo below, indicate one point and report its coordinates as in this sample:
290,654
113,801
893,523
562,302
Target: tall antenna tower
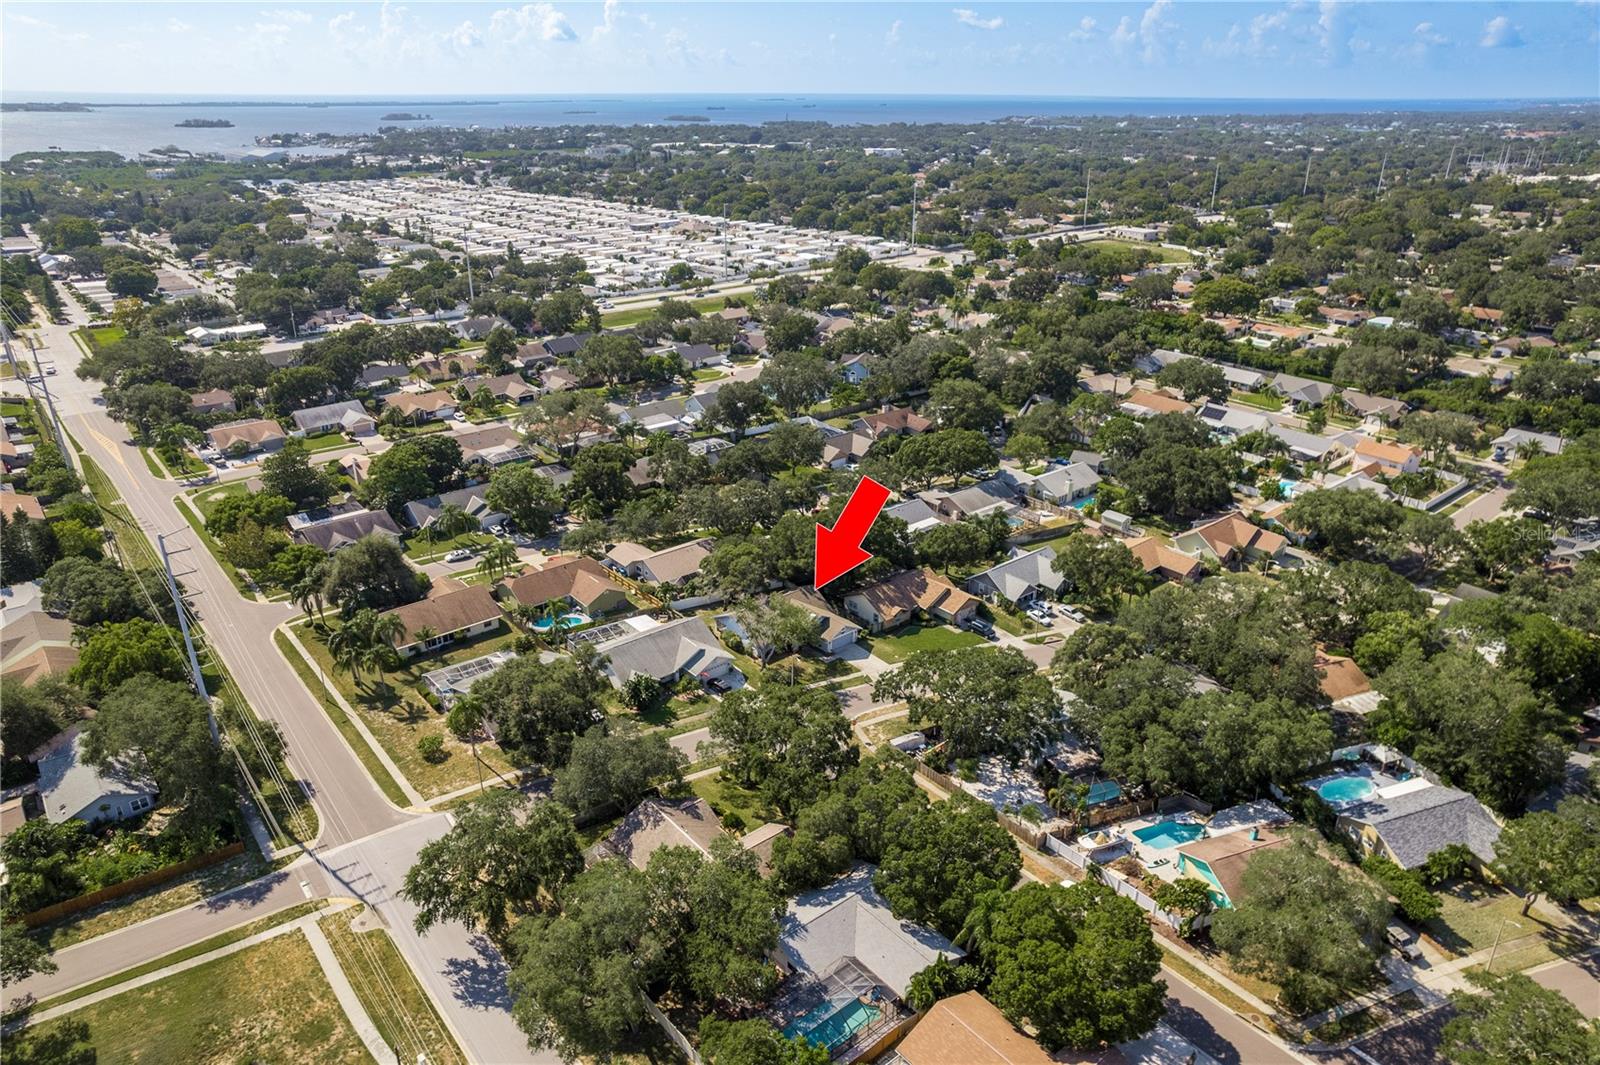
1383,168
1450,162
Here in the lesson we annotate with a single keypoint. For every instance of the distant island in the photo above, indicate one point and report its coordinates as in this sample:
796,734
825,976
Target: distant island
44,107
686,118
403,116
578,112
203,123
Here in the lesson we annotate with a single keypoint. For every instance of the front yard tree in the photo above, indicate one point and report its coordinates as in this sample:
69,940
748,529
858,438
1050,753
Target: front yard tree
1100,569
985,702
613,769
1078,964
537,707
1554,854
505,854
529,497
1304,924
788,741
1517,1021
939,858
776,627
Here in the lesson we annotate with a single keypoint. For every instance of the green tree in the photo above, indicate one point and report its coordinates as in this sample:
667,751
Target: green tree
776,627
737,406
789,741
796,380
1503,546
1195,379
1303,923
1514,1021
955,403
1556,854
372,572
612,769
754,1042
983,701
956,543
538,708
1226,295
1186,897
940,858
89,592
527,496
506,853
1098,570
119,651
289,474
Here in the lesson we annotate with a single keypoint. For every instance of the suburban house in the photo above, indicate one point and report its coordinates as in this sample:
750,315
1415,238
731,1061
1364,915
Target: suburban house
698,356
1021,579
1243,378
1302,392
987,497
342,530
382,376
918,514
215,401
846,449
686,647
1230,421
1155,361
892,602
478,326
1065,485
559,379
437,368
834,633
1265,334
1308,447
1220,861
493,444
14,455
657,823
422,406
1412,819
1107,384
673,565
1161,561
841,943
1232,540
855,369
1510,442
568,344
1343,316
33,645
510,388
893,421
13,503
1143,403
965,1029
658,416
1391,460
577,582
1379,408
251,434
346,416
433,623
71,788
421,513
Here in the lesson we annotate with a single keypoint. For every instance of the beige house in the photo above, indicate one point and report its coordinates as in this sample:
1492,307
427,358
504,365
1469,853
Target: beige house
422,406
252,434
1232,540
580,582
1391,459
453,616
892,602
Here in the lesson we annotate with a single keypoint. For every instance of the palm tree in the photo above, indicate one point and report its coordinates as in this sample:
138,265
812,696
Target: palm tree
499,559
346,644
1069,796
308,592
465,719
451,521
383,631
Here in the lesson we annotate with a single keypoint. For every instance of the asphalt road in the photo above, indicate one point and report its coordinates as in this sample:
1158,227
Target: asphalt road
1216,1029
1578,979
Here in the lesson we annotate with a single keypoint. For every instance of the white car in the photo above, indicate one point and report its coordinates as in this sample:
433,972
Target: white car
460,554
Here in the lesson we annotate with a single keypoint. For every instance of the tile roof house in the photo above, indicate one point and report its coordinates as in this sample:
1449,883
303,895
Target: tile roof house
33,645
421,513
892,602
966,1029
581,582
901,421
345,416
657,823
71,788
14,503
212,402
1408,825
1230,540
251,434
458,615
1143,403
1220,861
1159,560
1391,459
673,565
848,920
685,647
343,530
422,406
1021,579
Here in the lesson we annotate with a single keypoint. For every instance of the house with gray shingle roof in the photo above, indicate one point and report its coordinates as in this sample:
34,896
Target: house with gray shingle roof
72,787
1019,579
685,647
1409,825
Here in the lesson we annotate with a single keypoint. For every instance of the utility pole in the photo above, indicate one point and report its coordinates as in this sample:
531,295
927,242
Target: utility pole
1216,179
466,242
916,184
1306,184
1450,162
1085,196
188,640
1383,168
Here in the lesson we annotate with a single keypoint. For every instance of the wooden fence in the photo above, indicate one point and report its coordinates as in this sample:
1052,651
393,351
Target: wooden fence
67,907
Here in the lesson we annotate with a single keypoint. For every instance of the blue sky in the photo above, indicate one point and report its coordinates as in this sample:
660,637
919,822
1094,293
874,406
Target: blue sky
1299,49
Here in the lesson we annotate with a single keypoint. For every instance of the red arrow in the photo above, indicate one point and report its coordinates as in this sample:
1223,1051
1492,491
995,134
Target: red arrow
839,549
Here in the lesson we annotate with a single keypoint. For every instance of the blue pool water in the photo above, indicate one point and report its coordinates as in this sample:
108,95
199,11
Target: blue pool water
1345,789
1083,504
1288,487
1166,834
827,1027
567,621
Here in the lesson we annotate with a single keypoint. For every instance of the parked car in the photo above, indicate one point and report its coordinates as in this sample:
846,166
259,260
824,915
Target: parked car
982,628
460,554
1075,614
1403,940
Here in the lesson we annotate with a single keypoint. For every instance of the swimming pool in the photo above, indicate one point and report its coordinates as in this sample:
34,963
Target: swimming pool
1083,504
1287,488
1346,789
835,1025
1166,834
567,621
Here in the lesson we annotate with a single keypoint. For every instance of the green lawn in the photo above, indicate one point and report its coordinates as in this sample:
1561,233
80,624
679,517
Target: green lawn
396,713
912,638
206,498
1473,915
211,545
387,988
420,549
618,319
1261,400
326,441
1164,255
727,796
106,334
269,1002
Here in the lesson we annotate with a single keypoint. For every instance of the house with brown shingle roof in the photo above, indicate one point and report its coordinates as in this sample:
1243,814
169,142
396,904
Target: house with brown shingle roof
252,434
1143,403
580,582
1159,560
657,823
453,616
967,1029
218,399
1220,861
1231,539
892,602
510,388
899,421
14,503
1391,459
33,644
422,406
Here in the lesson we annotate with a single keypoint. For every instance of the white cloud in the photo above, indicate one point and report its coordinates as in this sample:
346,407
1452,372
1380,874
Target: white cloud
49,28
609,16
340,23
517,25
1331,31
177,25
464,37
1123,36
289,15
1500,32
1426,34
1084,31
892,38
1150,32
968,17
1263,26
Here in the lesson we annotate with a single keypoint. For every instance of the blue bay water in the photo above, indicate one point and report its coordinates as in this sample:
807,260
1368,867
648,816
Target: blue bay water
116,125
